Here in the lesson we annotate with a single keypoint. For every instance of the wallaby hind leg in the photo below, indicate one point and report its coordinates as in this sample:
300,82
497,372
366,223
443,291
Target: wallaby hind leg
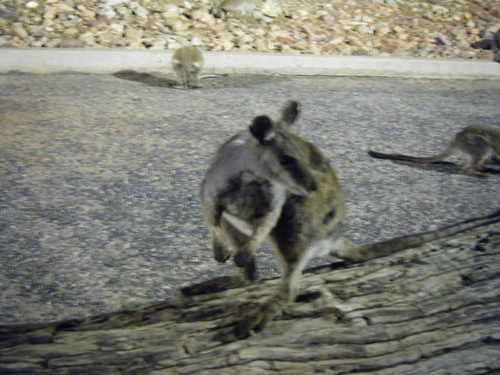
257,319
483,153
475,165
195,80
292,260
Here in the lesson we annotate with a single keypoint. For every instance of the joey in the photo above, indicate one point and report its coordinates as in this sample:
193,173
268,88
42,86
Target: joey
480,143
268,183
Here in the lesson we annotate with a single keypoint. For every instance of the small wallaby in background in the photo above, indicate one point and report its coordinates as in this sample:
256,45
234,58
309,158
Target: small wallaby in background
480,143
268,183
492,44
495,46
187,63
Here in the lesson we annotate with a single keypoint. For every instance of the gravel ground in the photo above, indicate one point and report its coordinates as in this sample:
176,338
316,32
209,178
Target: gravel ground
99,204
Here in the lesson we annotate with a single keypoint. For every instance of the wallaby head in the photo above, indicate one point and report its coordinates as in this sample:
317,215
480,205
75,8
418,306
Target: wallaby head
279,158
262,152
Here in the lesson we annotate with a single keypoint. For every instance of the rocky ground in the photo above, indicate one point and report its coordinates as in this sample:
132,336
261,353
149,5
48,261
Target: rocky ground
419,28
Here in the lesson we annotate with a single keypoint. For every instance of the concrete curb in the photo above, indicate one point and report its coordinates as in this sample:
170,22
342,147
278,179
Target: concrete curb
106,61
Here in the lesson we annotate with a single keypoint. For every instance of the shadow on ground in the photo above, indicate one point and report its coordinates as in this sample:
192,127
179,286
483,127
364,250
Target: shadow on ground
447,168
144,78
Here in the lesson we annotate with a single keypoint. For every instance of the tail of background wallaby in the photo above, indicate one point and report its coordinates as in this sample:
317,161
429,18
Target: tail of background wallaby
378,249
430,159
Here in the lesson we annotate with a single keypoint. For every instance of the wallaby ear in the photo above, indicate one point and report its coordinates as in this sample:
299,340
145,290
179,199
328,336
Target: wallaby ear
262,129
290,113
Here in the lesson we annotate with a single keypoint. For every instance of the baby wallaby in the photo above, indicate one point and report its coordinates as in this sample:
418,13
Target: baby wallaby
268,183
480,143
187,63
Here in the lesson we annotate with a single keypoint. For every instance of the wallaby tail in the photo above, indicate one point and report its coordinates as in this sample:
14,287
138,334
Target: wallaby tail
378,249
429,159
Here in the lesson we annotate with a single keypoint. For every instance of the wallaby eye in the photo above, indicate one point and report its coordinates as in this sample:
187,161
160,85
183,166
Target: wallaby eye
288,161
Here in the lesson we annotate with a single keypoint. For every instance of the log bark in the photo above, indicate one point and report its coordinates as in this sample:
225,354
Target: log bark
431,309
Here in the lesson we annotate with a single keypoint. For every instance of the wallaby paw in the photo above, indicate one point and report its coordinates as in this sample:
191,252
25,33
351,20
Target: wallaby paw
221,254
257,319
251,272
243,257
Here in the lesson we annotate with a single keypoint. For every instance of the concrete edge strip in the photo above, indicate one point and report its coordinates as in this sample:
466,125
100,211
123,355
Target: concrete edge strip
106,61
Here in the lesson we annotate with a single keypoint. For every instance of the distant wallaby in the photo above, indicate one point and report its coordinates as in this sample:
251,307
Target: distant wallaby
187,63
267,182
495,46
480,142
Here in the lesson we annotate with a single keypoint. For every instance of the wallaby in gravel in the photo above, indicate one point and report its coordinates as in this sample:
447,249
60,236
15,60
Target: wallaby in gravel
267,182
480,143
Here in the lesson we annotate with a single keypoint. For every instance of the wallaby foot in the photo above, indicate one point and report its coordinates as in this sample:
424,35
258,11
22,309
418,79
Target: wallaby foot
257,319
221,253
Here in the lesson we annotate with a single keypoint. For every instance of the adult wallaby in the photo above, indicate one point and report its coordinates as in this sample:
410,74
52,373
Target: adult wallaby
267,182
480,143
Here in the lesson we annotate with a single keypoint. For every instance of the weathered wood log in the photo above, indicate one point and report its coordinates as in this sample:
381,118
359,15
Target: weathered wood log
431,309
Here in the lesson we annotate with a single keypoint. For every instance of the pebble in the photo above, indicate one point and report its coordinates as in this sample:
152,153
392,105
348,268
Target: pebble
422,29
113,3
32,5
108,12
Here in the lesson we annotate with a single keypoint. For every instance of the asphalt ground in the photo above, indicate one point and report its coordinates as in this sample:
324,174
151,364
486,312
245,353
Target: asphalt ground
100,173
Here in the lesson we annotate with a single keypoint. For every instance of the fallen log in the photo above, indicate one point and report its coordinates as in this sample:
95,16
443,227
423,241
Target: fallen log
431,309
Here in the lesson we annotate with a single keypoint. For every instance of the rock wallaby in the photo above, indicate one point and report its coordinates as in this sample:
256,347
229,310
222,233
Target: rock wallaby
186,64
480,143
268,183
495,46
